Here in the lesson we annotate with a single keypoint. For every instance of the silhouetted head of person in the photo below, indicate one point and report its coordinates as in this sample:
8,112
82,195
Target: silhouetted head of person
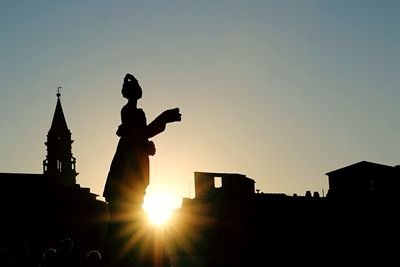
49,257
131,89
93,258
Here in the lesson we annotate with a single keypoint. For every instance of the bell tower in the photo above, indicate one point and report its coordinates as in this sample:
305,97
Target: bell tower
59,164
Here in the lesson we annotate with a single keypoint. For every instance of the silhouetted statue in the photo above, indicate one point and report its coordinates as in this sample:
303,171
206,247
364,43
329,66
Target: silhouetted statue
128,176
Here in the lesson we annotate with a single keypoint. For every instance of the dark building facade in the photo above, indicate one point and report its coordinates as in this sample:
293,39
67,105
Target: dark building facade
38,210
232,225
364,180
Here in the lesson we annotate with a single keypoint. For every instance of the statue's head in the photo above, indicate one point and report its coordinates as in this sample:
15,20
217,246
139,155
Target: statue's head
131,89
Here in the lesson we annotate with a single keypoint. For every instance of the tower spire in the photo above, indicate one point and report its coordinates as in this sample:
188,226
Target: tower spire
59,124
59,163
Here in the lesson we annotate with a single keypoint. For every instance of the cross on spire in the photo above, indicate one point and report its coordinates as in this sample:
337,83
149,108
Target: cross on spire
58,91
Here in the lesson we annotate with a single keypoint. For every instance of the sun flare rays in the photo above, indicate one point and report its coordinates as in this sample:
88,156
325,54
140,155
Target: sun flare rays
159,207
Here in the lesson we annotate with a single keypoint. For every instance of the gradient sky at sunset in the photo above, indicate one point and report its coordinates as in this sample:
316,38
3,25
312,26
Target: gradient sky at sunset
282,91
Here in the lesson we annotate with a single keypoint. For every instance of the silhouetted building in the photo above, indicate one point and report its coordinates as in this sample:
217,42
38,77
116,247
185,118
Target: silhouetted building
38,210
231,185
364,179
228,224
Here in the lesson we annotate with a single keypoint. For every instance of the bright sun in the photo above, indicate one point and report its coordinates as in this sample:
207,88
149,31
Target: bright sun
158,206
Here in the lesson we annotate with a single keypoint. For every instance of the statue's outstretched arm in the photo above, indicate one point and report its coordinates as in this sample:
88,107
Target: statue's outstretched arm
158,124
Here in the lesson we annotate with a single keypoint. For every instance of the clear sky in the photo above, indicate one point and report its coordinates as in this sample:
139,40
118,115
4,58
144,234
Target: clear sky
282,91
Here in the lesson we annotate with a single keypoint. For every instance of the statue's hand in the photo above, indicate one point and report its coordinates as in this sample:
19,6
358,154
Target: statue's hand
151,148
171,115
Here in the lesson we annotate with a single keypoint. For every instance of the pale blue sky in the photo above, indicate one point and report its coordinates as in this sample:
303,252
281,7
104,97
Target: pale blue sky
282,91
